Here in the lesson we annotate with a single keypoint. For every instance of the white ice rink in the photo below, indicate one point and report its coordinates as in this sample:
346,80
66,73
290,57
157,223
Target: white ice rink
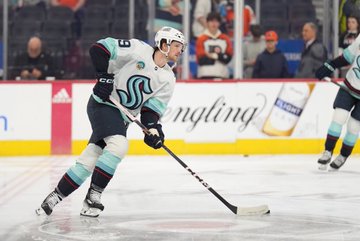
154,198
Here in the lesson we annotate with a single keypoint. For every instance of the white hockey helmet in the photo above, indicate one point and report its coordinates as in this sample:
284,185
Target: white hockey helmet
169,34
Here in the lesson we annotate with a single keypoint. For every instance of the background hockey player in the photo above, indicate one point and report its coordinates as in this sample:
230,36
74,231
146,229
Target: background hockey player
140,78
344,104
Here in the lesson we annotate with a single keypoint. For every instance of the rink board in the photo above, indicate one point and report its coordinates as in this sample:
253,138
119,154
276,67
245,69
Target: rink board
229,117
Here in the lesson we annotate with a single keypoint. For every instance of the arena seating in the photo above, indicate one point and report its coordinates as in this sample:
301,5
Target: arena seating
286,16
56,27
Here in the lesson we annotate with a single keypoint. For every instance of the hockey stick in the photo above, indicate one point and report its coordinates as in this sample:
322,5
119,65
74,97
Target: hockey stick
327,79
242,211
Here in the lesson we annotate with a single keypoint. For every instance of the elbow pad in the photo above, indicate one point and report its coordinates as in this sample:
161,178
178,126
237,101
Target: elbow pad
100,57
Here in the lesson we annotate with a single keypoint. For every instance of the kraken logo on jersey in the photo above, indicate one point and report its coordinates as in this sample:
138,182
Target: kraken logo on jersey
136,86
357,70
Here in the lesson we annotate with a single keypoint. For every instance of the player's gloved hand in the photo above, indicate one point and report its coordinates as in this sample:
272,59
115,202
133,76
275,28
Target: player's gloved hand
156,138
104,86
325,70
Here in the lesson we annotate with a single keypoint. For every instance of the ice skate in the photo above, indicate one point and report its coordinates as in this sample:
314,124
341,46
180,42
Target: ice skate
337,163
49,203
324,160
92,204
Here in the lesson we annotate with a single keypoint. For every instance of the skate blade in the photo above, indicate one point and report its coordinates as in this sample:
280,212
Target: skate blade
322,167
90,212
39,211
331,169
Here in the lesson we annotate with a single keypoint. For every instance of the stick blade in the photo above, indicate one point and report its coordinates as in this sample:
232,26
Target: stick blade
253,211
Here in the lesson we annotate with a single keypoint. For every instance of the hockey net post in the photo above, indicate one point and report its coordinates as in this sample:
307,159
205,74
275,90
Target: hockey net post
241,211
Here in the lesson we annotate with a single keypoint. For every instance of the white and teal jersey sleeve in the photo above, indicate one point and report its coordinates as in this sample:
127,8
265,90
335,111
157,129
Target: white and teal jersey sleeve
160,100
138,81
120,52
352,55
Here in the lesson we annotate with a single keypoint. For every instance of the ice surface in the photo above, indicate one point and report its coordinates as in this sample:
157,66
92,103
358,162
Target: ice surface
154,198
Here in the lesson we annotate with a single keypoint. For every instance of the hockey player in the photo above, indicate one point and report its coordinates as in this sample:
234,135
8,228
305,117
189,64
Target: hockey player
140,78
344,104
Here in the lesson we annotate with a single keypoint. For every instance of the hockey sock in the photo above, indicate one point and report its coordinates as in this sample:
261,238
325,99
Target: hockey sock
333,135
348,144
72,179
104,169
353,129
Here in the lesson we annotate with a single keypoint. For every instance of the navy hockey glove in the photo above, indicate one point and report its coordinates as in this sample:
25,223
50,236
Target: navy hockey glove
104,86
325,70
156,138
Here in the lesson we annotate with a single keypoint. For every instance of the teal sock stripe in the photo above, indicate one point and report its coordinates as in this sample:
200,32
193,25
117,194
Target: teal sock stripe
335,129
108,162
350,139
78,173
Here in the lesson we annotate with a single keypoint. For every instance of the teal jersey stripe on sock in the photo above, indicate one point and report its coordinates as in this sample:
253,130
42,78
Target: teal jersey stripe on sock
108,162
78,173
350,139
335,129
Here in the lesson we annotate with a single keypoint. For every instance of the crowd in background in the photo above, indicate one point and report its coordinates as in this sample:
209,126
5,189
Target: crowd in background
56,43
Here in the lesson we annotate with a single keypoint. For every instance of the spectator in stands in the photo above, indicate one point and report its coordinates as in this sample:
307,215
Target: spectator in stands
16,4
168,13
34,64
77,6
252,48
352,31
213,50
314,53
347,8
348,37
201,10
227,12
271,63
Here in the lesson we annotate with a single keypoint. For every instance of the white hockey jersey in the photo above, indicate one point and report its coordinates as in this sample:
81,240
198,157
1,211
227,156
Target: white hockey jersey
352,55
138,81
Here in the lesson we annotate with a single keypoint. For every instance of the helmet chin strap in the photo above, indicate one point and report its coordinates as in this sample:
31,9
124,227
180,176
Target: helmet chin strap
173,66
167,52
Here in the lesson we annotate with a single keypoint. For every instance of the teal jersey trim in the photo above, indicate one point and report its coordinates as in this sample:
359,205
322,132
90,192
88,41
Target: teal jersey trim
110,44
156,105
108,162
350,139
335,129
163,3
78,173
348,56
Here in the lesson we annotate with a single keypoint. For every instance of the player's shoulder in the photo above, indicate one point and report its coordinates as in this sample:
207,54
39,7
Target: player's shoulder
168,71
139,44
357,39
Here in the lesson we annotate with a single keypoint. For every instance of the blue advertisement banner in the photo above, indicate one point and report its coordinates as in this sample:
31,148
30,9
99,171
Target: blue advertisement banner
292,50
